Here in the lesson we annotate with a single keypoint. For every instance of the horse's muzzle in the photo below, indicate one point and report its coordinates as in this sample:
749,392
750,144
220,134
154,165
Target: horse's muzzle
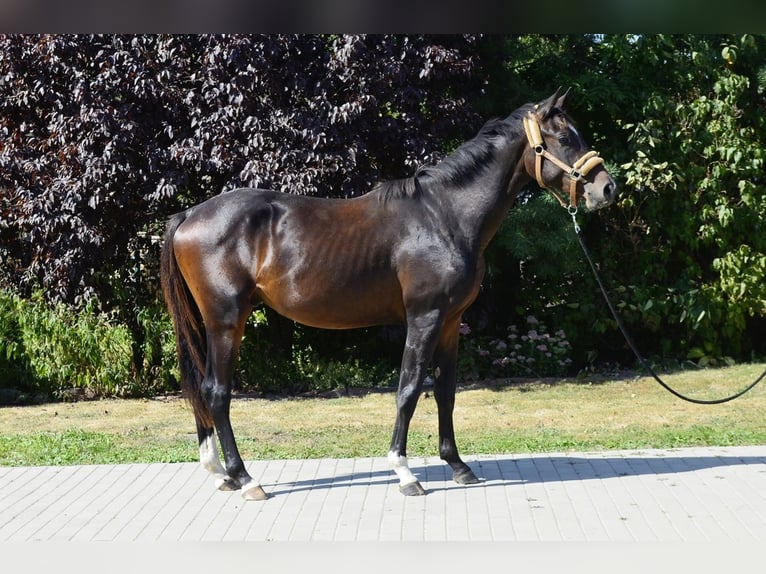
601,193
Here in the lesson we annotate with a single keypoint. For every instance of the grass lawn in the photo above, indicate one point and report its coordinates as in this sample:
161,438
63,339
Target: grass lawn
497,417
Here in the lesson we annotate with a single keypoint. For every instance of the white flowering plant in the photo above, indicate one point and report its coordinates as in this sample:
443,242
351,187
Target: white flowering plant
534,351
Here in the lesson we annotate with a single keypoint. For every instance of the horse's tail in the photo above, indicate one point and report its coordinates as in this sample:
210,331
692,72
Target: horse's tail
189,329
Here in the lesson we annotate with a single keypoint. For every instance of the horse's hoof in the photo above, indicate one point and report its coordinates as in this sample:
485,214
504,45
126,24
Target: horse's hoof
228,484
412,489
465,477
255,493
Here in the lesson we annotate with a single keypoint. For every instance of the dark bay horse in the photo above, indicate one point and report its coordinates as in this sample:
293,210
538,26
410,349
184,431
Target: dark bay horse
408,252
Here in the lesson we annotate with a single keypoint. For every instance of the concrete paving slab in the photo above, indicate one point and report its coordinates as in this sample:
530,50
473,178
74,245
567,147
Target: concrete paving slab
676,495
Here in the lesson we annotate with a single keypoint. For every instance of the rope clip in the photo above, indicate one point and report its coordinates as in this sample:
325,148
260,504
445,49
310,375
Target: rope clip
572,210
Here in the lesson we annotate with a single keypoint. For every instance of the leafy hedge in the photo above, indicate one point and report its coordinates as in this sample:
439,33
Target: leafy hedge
102,137
48,351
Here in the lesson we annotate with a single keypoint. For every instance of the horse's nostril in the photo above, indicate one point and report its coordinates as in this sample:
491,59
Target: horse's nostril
608,190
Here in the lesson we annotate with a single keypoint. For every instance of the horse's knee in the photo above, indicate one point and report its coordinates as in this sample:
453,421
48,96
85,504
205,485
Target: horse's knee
217,397
407,398
206,389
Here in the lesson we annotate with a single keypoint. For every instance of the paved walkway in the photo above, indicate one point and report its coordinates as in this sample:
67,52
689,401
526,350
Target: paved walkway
695,494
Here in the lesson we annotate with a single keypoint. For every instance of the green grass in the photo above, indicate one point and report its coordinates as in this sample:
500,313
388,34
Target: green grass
526,416
87,447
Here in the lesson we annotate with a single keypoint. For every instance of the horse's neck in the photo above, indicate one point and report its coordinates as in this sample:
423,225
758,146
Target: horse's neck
479,207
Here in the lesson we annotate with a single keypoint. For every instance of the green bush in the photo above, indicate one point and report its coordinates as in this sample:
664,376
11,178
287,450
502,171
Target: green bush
53,351
15,370
264,369
158,371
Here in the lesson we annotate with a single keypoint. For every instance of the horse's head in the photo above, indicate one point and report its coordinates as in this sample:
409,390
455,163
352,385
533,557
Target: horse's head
558,157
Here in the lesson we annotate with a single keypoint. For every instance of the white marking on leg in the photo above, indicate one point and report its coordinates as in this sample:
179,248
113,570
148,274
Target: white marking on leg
208,456
250,484
399,466
252,490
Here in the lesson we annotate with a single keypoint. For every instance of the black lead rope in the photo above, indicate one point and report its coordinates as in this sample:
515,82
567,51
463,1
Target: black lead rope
625,334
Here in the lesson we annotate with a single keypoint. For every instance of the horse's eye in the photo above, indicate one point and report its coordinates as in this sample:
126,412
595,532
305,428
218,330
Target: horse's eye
564,140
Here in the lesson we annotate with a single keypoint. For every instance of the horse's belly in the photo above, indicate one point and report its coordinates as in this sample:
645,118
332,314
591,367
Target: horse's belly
340,315
325,304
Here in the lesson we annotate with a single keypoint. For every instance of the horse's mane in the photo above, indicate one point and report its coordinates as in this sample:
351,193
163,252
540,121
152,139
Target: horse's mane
460,166
397,188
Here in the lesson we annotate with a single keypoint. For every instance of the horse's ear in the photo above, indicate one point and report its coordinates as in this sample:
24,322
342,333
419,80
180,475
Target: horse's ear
544,108
561,102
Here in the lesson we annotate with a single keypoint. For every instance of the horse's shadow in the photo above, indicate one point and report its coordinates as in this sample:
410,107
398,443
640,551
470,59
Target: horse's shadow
500,471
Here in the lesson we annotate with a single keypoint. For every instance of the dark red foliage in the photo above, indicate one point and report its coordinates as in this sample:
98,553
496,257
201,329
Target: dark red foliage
103,137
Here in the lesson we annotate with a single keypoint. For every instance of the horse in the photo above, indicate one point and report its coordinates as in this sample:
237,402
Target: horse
408,252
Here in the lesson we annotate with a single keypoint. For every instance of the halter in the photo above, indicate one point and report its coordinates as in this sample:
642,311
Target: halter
576,172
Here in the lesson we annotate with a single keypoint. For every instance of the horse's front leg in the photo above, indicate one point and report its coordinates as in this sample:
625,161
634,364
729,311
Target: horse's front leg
422,332
216,391
445,363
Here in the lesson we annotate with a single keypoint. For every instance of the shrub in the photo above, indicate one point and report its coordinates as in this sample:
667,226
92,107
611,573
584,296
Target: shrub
15,370
534,351
53,351
303,368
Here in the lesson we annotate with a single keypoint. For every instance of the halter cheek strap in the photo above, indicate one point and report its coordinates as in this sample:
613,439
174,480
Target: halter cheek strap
577,171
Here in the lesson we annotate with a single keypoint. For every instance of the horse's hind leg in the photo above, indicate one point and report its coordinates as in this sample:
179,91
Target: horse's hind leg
208,456
223,348
445,363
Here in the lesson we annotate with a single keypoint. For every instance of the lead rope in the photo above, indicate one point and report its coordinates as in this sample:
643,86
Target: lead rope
573,212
